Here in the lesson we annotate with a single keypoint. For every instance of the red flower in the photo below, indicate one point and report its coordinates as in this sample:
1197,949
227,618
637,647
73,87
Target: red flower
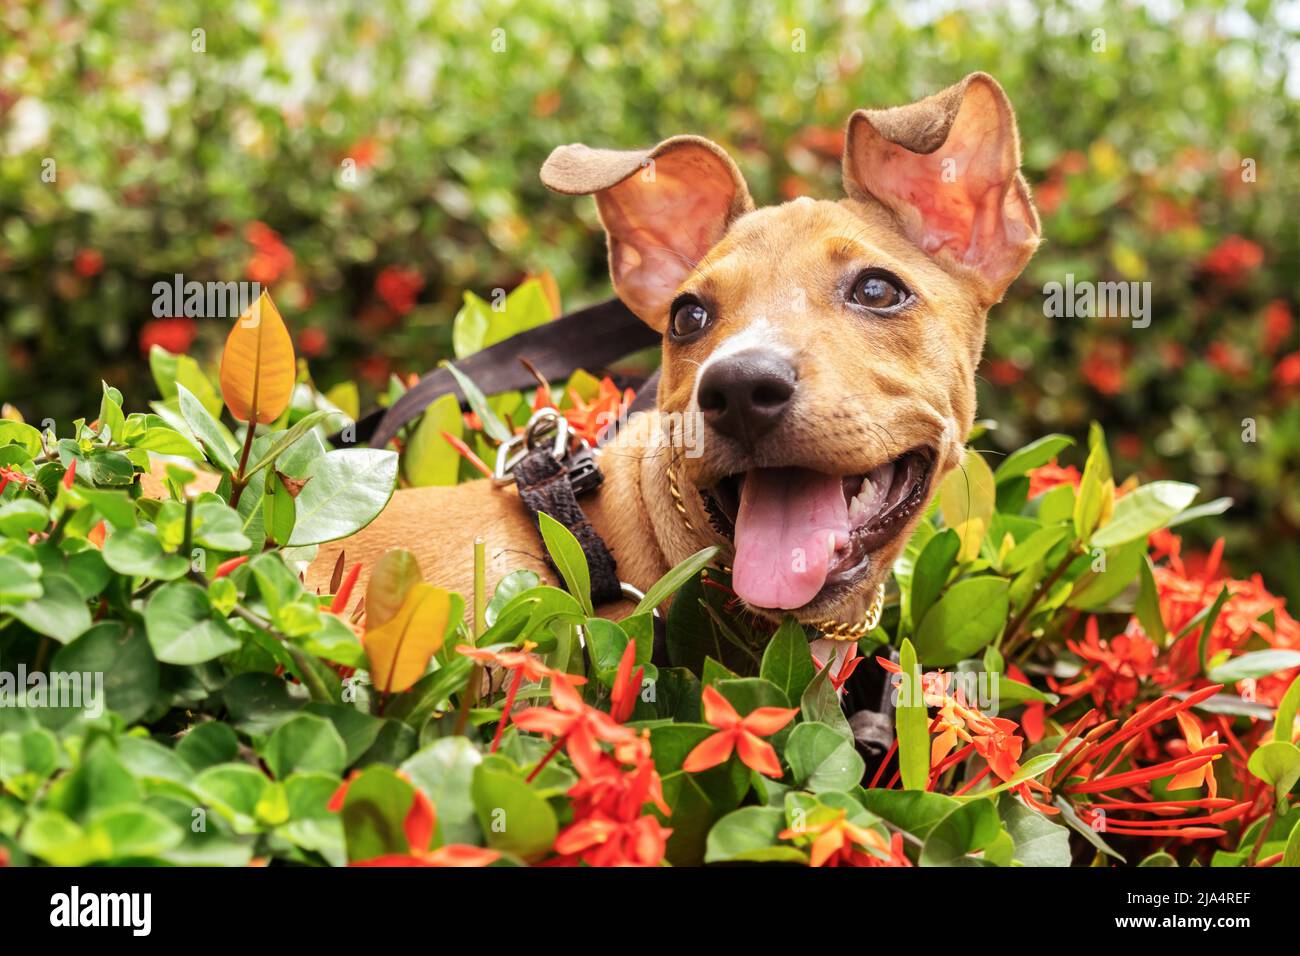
1003,372
88,263
1113,669
1232,258
175,334
1286,373
742,734
580,729
8,474
1227,358
627,685
1277,325
398,286
1046,477
312,341
1104,367
271,257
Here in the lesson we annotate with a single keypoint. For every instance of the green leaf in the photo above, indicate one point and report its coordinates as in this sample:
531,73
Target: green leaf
787,660
1291,855
971,613
1277,763
284,440
513,818
1033,455
1088,833
1096,487
821,702
915,811
750,834
444,770
345,491
822,759
674,579
429,459
305,742
1038,841
374,813
492,425
933,566
123,655
967,497
1254,664
970,827
569,559
21,434
19,580
181,627
208,744
22,516
912,723
1035,548
1147,607
139,553
217,526
207,430
60,612
1145,509
1284,724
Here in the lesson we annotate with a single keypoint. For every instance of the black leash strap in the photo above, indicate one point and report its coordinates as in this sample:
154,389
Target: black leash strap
544,486
590,338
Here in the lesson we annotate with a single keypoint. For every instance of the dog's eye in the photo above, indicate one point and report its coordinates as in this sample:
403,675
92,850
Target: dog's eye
689,317
879,292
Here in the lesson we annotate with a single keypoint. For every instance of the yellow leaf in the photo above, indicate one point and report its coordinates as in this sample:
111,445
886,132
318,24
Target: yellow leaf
550,287
400,649
394,574
257,366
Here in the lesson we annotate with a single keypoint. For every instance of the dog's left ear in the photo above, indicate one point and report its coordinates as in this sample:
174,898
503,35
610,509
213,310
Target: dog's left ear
948,167
662,208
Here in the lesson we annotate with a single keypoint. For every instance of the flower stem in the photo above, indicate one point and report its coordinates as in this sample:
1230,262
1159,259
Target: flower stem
505,712
238,482
469,696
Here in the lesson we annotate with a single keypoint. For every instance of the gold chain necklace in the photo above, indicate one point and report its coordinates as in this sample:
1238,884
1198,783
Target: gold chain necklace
829,628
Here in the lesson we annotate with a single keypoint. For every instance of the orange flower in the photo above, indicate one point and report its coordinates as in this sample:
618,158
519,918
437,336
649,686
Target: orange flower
741,734
1232,259
837,842
579,729
1117,666
1203,774
1046,477
627,685
524,665
601,841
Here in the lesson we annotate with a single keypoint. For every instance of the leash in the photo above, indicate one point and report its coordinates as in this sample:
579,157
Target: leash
589,338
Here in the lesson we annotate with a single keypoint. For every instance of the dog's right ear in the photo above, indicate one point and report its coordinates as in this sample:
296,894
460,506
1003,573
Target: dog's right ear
662,208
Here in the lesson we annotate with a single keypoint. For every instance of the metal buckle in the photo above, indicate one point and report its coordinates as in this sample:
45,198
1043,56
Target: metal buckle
512,451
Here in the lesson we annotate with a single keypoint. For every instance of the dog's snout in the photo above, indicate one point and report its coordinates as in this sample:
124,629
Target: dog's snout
744,395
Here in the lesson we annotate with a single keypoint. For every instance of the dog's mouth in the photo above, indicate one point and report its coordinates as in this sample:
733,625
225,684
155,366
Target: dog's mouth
799,533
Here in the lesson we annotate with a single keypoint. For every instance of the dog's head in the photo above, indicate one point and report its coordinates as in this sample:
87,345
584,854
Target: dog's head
829,348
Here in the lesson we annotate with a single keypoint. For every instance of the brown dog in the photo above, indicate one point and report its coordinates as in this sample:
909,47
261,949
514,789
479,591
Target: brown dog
828,349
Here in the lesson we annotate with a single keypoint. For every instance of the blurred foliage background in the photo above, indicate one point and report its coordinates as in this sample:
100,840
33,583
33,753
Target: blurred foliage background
370,162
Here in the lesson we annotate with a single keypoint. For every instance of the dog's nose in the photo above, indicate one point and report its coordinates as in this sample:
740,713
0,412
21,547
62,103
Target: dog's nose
744,395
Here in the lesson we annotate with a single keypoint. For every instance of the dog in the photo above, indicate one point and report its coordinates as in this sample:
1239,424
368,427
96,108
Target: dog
827,350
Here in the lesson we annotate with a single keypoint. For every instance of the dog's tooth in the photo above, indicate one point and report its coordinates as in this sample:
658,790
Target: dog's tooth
856,508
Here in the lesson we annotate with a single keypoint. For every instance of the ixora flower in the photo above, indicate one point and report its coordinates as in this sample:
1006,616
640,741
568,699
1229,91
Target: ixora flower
523,664
741,734
419,827
838,842
579,729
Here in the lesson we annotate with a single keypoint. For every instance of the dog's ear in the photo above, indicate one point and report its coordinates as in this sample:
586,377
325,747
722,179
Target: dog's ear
948,167
662,208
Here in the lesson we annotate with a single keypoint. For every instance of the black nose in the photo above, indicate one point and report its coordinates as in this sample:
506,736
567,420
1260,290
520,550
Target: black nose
744,395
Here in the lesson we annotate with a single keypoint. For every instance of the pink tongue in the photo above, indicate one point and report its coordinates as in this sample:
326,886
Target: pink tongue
789,522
